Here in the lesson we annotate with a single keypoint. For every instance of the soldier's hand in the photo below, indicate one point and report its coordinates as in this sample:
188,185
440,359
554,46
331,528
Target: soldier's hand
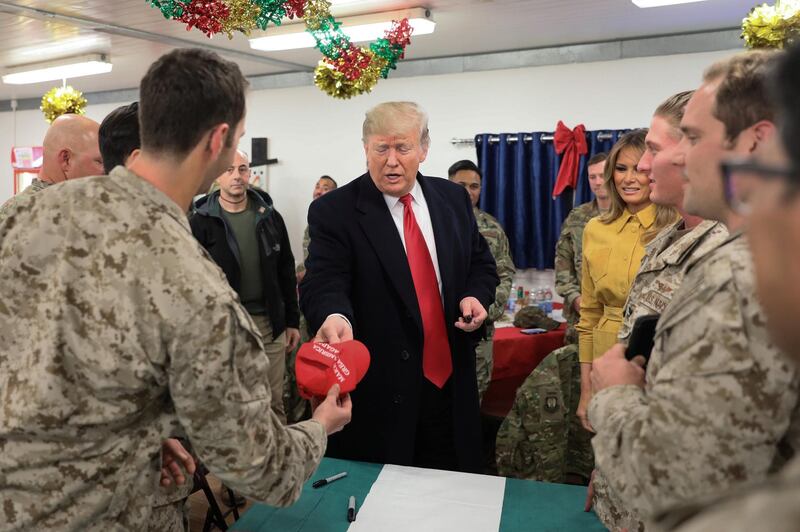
334,412
334,330
472,314
613,369
292,339
576,304
583,409
173,455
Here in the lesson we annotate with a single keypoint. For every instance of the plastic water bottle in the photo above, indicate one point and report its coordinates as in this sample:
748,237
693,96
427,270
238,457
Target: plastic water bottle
548,301
538,298
512,300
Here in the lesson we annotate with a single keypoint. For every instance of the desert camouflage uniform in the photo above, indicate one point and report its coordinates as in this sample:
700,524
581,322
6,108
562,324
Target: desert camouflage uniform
495,237
664,265
770,505
301,268
117,331
296,408
35,186
719,401
663,268
541,437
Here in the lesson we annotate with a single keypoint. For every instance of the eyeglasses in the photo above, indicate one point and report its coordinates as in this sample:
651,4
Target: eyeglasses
242,169
740,177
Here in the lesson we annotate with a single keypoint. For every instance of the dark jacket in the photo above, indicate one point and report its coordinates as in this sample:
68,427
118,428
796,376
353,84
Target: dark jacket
277,261
357,267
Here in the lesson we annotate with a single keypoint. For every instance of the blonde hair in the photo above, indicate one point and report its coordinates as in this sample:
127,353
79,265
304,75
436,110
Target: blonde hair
672,108
390,118
665,216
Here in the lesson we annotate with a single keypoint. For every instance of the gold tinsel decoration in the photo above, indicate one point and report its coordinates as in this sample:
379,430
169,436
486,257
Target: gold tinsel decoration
317,12
776,26
243,14
62,100
334,83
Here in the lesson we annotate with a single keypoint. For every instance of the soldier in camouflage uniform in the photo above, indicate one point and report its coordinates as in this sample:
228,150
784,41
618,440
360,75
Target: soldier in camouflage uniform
118,331
774,240
69,150
467,174
297,408
667,257
719,405
541,437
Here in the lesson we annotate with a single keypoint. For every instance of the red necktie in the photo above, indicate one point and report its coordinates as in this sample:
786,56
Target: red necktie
436,362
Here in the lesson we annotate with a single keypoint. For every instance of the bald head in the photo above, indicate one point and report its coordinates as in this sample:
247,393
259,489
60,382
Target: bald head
71,149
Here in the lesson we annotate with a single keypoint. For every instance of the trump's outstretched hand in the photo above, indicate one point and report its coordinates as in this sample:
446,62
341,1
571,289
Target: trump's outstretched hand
472,314
335,329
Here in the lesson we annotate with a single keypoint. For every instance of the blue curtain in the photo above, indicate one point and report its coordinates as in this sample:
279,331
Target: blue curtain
518,180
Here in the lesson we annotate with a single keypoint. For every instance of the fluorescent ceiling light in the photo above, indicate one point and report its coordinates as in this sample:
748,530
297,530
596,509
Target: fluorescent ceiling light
85,44
659,3
70,67
359,29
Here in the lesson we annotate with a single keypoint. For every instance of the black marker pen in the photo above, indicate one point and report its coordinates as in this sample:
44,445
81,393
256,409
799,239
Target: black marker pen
326,481
351,509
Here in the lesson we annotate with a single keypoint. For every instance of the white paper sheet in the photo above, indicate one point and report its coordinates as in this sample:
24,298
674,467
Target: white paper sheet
405,499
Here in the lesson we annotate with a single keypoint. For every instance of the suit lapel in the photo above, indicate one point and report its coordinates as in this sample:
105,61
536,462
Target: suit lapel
381,232
442,217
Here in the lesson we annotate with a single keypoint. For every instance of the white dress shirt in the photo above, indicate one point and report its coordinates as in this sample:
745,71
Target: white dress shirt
423,216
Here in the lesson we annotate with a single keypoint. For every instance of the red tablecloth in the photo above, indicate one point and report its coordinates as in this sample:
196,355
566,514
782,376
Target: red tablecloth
516,355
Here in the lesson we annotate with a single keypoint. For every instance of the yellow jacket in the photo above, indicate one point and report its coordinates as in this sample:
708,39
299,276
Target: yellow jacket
612,254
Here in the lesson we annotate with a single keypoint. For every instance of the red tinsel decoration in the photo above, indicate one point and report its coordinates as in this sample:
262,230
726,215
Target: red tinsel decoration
352,62
205,15
400,33
295,8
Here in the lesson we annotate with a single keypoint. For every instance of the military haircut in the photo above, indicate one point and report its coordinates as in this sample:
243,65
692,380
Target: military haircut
743,96
186,93
329,178
597,158
465,164
119,135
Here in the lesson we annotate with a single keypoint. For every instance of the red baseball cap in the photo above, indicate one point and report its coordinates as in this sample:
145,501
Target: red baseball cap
319,366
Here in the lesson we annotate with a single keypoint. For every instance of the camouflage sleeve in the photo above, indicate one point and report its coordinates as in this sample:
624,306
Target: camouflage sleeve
591,308
712,415
301,268
568,281
218,383
505,270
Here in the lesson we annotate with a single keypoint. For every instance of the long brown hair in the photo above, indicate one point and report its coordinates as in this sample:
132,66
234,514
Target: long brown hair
665,216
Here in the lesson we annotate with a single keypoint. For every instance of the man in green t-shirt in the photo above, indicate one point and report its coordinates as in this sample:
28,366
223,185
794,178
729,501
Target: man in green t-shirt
247,238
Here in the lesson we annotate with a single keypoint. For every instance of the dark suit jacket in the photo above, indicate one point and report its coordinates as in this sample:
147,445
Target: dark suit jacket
357,267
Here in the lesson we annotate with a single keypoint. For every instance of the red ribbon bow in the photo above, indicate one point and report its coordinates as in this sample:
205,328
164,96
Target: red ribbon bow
572,143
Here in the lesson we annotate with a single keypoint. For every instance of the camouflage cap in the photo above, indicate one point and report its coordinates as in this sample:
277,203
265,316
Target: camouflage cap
532,316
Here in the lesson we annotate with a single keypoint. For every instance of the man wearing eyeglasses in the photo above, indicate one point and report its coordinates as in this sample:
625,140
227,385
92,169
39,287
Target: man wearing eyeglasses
719,405
247,238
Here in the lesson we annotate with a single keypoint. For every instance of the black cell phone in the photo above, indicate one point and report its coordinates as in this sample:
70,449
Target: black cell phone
642,335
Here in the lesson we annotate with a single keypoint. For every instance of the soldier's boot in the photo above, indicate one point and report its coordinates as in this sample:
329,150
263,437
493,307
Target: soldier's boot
532,441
